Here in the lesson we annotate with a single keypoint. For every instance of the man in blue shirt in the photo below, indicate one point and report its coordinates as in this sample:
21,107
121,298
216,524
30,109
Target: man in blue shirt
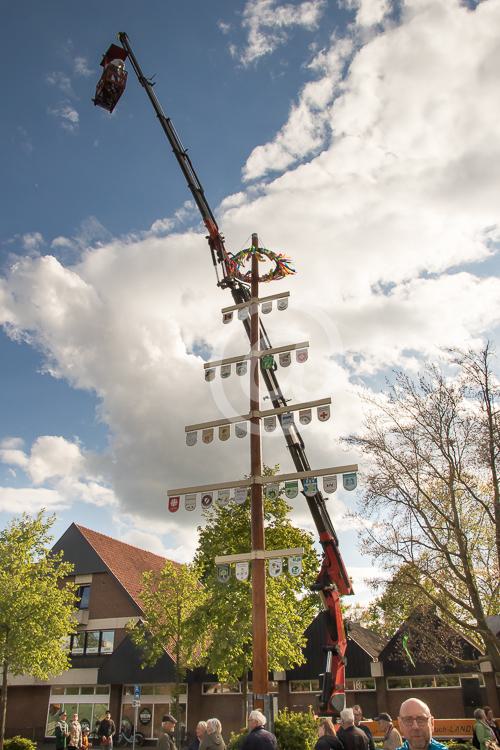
416,724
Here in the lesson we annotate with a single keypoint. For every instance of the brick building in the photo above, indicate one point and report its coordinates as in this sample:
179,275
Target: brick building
105,665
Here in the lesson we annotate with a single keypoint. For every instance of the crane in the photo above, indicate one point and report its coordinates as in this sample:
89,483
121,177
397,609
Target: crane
332,581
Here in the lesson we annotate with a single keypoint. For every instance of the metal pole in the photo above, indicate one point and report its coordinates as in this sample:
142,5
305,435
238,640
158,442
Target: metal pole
136,711
259,613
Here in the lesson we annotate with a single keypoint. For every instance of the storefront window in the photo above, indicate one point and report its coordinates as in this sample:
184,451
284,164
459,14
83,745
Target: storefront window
88,710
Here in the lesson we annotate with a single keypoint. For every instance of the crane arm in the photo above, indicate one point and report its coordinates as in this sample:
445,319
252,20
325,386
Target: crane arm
332,581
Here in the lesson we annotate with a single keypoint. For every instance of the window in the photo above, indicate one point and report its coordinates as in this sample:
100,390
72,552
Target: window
82,597
304,686
219,688
447,680
361,683
272,687
398,683
422,682
89,712
93,642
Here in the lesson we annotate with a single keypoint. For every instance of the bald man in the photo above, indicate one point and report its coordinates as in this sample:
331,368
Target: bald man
416,724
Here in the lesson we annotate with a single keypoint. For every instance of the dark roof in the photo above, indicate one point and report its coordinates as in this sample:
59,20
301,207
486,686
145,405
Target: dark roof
124,561
369,641
124,666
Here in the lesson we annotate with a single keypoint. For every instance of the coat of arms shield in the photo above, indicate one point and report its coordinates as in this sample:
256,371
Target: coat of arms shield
330,484
283,303
174,503
223,573
310,486
207,499
242,570
207,435
190,501
301,355
350,481
285,358
305,416
275,567
241,368
323,413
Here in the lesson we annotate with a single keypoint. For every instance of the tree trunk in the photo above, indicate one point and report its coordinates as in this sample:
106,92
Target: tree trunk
244,698
3,702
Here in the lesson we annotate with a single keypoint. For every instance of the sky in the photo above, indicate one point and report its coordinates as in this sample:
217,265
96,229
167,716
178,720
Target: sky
360,137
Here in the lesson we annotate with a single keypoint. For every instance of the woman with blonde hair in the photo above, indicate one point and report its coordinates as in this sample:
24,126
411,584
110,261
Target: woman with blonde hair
212,739
327,736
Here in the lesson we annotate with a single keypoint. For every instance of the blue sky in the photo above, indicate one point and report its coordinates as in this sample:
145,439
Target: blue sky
357,136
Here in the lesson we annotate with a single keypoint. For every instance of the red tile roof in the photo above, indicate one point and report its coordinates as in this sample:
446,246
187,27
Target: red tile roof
124,561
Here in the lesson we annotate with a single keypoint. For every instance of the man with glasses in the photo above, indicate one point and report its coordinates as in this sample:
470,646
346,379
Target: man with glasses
416,724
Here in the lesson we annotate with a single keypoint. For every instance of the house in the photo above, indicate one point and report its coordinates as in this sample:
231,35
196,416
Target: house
105,665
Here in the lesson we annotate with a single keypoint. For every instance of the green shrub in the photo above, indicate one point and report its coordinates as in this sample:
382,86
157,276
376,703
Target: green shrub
236,739
19,743
295,731
457,745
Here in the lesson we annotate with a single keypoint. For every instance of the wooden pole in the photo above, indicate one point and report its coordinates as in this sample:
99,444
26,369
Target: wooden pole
259,612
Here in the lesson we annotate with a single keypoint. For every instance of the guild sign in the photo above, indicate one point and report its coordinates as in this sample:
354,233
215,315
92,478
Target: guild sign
287,419
206,500
191,438
291,489
310,486
266,307
241,368
224,432
210,374
267,362
225,371
227,317
270,423
285,358
350,481
207,435
330,484
173,503
223,498
272,491
242,569
223,573
240,495
305,416
295,565
323,413
240,429
275,567
301,355
243,313
283,303
190,501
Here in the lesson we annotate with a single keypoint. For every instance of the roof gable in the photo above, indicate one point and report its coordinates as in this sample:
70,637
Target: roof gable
93,552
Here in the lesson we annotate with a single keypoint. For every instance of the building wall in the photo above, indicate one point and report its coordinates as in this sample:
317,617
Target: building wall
27,711
108,599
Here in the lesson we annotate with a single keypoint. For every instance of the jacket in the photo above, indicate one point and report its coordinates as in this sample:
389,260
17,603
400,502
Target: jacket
61,734
166,742
212,741
259,739
368,732
483,733
106,728
327,741
392,739
75,734
353,738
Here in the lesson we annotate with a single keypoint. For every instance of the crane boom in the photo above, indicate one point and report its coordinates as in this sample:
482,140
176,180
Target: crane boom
332,581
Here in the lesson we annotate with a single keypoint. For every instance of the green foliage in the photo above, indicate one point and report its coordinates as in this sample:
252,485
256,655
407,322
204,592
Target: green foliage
19,743
226,615
236,739
36,604
169,599
296,731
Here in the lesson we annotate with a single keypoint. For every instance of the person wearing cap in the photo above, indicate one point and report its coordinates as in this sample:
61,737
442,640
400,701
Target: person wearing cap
166,741
391,737
62,732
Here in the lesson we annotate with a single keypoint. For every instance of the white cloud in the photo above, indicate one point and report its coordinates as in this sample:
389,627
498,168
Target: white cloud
29,500
81,67
61,241
60,81
32,240
380,225
268,22
67,115
370,12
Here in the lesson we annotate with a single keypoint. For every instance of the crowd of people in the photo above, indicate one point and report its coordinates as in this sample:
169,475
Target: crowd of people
415,720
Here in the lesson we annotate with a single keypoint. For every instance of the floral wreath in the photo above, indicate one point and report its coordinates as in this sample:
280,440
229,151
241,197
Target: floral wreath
282,264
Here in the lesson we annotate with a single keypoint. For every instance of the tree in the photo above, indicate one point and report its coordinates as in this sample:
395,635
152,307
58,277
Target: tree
227,613
169,599
36,604
432,492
